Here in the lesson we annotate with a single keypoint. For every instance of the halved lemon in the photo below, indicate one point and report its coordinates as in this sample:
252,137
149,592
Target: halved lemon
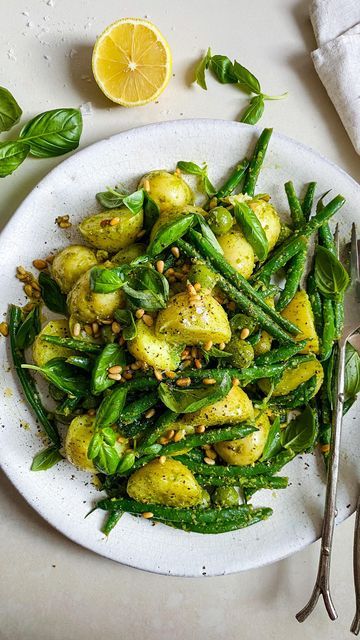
132,62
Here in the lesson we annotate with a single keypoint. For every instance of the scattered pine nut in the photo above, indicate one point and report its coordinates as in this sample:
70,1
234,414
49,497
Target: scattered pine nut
4,329
235,382
200,428
114,221
121,341
149,321
146,185
127,375
244,333
91,412
28,290
209,381
210,453
147,515
21,270
149,414
40,264
325,448
209,460
114,376
158,375
36,295
88,329
28,307
175,251
115,327
183,382
160,266
208,345
194,352
170,434
179,435
162,459
170,374
139,313
135,365
197,286
163,440
76,329
169,272
121,439
222,346
197,363
35,285
191,289
116,368
95,327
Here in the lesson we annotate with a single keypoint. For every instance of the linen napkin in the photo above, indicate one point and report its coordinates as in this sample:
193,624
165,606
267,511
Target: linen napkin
336,25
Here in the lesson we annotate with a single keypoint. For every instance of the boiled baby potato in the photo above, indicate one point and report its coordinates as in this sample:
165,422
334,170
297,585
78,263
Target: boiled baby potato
268,218
245,450
43,351
168,190
293,377
237,251
153,350
171,484
87,306
79,434
124,256
299,312
187,322
98,231
70,263
235,407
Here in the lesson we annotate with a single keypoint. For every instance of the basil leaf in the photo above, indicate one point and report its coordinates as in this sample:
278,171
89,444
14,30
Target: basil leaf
46,459
253,111
169,233
12,154
94,446
151,212
29,329
252,229
107,459
273,441
214,352
191,168
63,376
300,434
352,371
331,277
208,186
126,463
208,233
245,78
223,69
126,319
107,280
110,199
53,133
201,68
134,202
110,408
83,362
51,294
193,399
146,288
111,355
10,111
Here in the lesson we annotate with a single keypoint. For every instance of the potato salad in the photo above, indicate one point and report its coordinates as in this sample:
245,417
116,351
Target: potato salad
190,350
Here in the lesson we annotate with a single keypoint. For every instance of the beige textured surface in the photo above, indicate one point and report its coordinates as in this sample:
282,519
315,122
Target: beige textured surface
85,596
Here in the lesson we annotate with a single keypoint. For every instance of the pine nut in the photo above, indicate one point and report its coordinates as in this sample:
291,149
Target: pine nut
116,368
121,341
179,435
209,381
208,345
146,185
183,382
139,313
115,327
170,434
91,412
76,329
127,375
147,515
95,327
36,295
211,454
176,252
160,266
28,290
200,428
191,290
4,329
149,414
88,329
40,264
162,459
197,363
21,271
35,285
170,374
114,376
244,333
158,375
163,440
114,221
149,321
197,286
135,366
235,382
209,460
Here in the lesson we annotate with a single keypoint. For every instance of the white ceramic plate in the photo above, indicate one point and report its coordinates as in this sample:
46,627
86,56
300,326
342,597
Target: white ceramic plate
64,495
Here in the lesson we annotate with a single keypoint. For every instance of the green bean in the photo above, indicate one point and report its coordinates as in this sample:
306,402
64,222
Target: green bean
134,410
293,277
281,354
162,424
300,396
233,432
257,515
72,343
112,520
286,250
192,516
308,200
328,333
256,162
326,240
316,302
233,181
141,383
270,467
255,484
27,383
297,215
234,278
245,376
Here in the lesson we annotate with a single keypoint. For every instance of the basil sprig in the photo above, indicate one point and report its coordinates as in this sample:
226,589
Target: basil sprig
107,280
194,398
10,112
201,172
53,133
63,375
331,277
252,229
46,459
29,329
113,199
301,433
227,72
147,289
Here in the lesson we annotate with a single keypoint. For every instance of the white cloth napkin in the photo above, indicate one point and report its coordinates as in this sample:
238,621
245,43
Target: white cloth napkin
336,25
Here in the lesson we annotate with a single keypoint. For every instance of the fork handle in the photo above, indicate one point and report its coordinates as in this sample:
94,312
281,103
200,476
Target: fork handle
355,627
323,575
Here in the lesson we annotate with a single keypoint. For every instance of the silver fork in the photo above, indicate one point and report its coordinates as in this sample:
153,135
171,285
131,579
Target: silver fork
351,325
